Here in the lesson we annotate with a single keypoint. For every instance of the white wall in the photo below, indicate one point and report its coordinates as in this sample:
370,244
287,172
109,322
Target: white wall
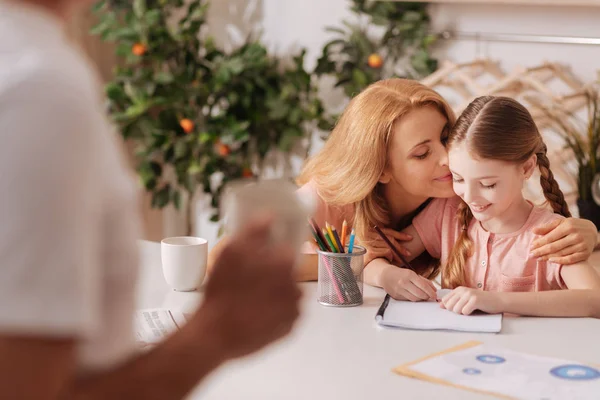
534,20
288,24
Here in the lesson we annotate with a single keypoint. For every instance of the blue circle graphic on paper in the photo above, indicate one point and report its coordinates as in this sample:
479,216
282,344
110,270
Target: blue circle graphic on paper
575,372
490,359
471,371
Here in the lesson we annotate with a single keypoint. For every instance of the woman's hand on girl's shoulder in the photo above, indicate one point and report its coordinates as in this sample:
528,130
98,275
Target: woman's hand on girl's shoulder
565,241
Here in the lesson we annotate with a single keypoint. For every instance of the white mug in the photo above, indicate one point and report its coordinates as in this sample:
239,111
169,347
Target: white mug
184,260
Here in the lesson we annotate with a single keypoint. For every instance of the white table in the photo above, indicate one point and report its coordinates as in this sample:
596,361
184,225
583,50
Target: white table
340,353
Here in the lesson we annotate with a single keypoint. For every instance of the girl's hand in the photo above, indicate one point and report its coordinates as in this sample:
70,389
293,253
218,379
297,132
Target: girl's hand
464,300
404,284
565,241
378,248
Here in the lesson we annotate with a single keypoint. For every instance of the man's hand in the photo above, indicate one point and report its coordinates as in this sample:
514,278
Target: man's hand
251,297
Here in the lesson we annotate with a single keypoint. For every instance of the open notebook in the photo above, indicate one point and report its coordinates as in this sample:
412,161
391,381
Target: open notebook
428,315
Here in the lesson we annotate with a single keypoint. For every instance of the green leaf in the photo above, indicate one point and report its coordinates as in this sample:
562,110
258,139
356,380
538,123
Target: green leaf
153,17
176,197
139,8
101,27
114,91
333,29
278,110
181,149
204,137
360,78
163,77
135,110
429,40
195,168
236,66
150,88
99,6
123,49
161,198
295,116
380,20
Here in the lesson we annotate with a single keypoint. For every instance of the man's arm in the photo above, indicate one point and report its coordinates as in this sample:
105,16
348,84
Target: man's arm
250,301
169,371
44,368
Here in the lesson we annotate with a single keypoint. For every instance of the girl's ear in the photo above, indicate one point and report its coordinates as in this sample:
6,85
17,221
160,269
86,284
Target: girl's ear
529,166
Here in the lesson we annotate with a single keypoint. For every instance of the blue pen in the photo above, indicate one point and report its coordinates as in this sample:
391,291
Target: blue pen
351,244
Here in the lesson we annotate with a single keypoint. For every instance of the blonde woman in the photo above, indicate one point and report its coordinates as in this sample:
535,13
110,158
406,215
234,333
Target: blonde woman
383,162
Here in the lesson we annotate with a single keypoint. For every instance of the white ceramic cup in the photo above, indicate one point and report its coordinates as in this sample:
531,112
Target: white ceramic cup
184,261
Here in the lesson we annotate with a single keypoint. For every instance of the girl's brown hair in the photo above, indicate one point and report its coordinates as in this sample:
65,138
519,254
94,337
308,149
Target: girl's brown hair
348,168
497,128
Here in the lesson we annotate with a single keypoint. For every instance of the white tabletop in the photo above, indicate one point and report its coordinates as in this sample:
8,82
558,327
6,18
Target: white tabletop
340,353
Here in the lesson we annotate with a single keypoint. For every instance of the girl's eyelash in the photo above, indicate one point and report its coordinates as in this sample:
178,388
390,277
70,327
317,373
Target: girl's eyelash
492,186
422,156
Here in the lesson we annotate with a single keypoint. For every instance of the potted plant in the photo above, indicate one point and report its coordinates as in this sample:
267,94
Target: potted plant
200,116
583,139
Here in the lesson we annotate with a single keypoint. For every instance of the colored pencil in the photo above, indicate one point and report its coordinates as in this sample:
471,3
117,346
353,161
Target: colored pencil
344,233
392,247
337,239
337,250
318,241
317,229
351,242
326,234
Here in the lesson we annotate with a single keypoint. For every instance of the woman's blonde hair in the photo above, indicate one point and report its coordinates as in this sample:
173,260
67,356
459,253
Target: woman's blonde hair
497,128
348,168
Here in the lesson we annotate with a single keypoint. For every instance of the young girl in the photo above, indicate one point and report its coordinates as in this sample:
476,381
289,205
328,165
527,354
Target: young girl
484,236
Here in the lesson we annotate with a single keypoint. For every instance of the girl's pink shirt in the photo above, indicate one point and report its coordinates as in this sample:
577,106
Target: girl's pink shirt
500,262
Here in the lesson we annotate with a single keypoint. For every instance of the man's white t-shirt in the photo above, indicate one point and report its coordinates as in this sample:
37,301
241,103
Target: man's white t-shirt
68,215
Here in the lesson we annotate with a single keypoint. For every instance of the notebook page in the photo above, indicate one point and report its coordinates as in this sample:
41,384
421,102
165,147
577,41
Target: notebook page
429,316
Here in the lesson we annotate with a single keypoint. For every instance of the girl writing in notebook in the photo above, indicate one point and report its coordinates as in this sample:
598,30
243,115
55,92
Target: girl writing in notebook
483,237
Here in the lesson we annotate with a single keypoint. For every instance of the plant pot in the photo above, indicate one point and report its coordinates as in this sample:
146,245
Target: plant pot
589,210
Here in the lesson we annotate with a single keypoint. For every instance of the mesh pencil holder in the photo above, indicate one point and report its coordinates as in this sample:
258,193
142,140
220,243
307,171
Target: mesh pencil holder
340,281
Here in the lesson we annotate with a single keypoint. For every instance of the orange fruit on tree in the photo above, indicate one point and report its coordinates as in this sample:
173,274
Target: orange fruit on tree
223,149
139,49
247,173
375,61
187,125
